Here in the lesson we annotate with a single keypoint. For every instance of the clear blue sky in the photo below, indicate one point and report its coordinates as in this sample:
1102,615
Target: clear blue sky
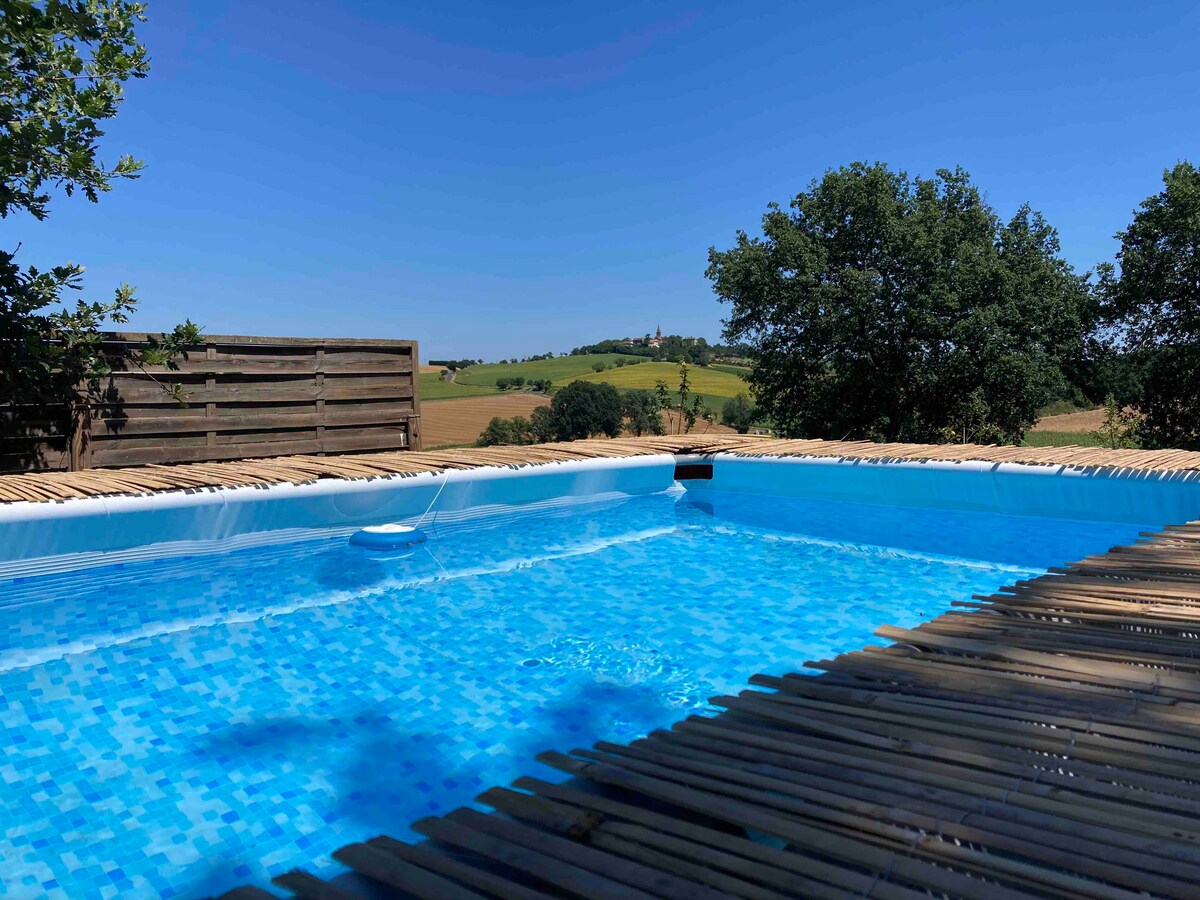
499,179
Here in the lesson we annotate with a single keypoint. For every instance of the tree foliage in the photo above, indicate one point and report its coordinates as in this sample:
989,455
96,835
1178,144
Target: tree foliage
1152,309
580,410
674,348
739,413
642,411
516,430
584,409
878,303
541,425
63,64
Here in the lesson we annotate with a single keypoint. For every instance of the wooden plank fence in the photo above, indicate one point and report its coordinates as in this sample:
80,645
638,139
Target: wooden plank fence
242,396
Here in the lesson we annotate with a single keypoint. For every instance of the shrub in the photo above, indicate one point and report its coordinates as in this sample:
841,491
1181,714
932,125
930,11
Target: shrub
598,367
1119,431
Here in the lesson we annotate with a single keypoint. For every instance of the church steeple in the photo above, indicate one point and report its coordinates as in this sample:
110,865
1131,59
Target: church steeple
658,332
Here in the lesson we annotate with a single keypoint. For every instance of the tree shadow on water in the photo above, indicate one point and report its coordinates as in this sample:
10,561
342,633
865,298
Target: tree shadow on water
596,711
384,775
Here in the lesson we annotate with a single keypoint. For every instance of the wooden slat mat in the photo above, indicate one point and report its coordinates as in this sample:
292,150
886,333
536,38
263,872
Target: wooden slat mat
1041,742
48,486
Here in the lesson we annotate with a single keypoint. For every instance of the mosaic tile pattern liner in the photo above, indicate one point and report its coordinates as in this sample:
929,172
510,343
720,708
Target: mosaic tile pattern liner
178,726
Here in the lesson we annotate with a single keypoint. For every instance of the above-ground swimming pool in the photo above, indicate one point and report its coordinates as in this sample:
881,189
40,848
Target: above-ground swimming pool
201,690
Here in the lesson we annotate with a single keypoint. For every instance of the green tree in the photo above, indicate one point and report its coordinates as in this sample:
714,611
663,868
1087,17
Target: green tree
498,431
642,412
584,408
697,409
739,413
521,431
598,367
516,430
687,414
541,425
879,301
63,64
1152,309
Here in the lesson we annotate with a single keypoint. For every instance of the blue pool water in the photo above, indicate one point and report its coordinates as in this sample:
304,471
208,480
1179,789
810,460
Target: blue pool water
179,726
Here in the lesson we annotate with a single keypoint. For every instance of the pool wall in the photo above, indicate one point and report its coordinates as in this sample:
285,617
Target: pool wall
41,537
1111,495
55,536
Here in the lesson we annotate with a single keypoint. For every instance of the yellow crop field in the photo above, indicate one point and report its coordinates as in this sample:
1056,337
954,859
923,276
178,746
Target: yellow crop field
710,382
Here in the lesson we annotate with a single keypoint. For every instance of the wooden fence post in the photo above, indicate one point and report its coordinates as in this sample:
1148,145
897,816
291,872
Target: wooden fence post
79,450
413,431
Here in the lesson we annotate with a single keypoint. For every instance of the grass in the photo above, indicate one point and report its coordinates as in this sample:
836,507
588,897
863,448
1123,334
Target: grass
1062,407
709,382
1061,439
433,388
560,370
740,371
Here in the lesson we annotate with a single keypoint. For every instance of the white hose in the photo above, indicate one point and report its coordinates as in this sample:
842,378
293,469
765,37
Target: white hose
442,487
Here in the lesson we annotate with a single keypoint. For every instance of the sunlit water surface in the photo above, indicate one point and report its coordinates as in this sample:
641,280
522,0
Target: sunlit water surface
180,726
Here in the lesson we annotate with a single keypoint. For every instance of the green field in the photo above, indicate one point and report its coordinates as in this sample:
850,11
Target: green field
740,371
560,370
709,382
715,384
433,388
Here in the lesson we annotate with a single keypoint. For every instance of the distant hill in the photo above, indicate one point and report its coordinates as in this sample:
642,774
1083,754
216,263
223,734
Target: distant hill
457,411
620,370
434,388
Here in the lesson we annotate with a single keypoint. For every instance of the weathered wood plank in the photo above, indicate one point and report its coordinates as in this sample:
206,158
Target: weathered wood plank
239,340
391,870
250,419
333,442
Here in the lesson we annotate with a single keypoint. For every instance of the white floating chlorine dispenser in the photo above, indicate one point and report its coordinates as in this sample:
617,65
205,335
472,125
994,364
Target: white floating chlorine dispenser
392,536
395,536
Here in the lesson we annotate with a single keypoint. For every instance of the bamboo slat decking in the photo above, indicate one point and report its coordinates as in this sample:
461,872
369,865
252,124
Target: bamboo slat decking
1042,742
46,486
